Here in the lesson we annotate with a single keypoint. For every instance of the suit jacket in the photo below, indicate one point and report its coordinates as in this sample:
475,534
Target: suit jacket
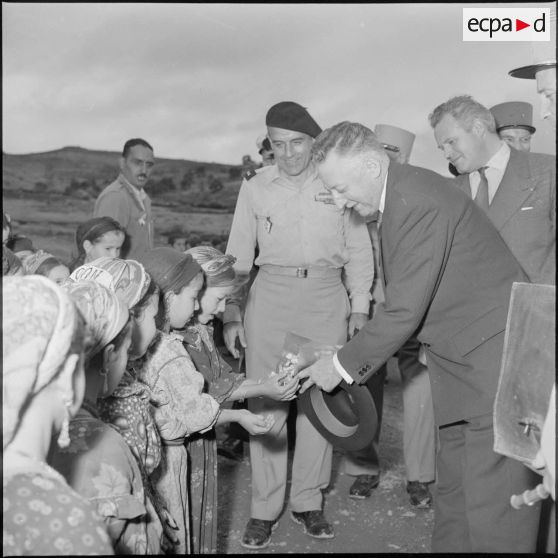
523,211
448,276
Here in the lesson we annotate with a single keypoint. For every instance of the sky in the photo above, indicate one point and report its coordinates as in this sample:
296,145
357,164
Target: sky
196,80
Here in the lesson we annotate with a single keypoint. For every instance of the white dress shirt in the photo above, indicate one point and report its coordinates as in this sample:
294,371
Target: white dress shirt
496,167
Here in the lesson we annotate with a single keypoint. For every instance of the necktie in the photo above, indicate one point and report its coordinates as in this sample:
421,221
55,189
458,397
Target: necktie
481,198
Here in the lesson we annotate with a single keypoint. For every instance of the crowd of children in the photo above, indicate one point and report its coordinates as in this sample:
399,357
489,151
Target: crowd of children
115,361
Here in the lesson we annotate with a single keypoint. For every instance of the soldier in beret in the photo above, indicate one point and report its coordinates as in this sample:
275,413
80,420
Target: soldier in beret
315,274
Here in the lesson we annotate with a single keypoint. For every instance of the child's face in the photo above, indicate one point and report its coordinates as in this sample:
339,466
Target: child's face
179,244
108,245
185,303
144,329
59,274
212,302
116,364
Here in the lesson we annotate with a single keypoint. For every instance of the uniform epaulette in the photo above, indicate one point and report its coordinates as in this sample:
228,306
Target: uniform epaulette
250,174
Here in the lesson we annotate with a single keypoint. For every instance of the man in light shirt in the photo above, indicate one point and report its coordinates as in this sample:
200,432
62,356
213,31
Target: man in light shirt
448,277
517,190
315,273
126,201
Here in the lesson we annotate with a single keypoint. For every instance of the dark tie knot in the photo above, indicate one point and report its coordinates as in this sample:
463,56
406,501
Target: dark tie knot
482,171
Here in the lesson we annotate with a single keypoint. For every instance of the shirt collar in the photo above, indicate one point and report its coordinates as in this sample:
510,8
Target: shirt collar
383,195
312,175
500,159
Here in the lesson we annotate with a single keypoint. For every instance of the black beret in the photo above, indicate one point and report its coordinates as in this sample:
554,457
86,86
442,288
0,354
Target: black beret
291,116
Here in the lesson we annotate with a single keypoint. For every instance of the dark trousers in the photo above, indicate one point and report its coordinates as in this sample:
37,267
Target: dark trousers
472,506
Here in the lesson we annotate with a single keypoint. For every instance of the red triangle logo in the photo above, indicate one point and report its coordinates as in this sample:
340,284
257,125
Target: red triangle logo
519,25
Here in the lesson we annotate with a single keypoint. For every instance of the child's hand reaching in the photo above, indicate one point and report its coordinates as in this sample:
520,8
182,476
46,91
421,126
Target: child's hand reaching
255,424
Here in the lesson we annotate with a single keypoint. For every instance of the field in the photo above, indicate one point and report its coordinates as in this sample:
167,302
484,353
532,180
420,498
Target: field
50,220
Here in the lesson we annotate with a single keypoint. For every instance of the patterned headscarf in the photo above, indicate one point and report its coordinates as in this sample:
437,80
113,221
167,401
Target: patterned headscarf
33,261
217,267
170,269
105,315
38,323
127,278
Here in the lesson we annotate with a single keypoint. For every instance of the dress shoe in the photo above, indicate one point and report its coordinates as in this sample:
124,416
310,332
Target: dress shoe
314,524
363,486
419,494
258,533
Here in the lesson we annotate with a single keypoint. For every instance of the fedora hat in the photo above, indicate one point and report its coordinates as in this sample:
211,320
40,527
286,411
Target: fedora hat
346,417
543,53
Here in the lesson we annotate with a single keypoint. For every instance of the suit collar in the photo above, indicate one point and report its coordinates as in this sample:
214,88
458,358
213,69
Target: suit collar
516,185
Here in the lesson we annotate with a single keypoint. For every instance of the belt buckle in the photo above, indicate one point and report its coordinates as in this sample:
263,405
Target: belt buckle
301,272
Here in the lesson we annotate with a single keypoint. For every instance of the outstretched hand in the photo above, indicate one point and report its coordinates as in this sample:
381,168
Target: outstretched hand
322,373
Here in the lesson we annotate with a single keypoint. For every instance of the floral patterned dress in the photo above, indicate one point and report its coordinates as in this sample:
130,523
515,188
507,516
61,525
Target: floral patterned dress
43,516
219,382
180,410
99,465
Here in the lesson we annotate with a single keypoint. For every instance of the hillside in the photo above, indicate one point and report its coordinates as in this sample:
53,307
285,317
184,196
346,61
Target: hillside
83,173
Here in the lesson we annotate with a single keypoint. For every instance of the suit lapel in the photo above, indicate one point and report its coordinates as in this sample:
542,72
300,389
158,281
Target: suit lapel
462,182
514,189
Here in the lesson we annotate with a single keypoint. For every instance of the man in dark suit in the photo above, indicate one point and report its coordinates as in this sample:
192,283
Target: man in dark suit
516,189
448,277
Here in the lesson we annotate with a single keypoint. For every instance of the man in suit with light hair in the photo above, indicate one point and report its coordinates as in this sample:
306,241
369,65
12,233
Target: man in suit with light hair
517,190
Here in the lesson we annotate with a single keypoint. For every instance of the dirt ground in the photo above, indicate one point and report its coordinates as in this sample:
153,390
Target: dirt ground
383,523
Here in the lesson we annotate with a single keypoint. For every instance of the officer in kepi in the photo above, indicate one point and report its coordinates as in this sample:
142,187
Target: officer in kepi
514,123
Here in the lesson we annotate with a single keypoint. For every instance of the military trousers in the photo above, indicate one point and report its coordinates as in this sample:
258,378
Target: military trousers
314,307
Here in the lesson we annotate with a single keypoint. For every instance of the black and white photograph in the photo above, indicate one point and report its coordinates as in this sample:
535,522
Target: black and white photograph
278,278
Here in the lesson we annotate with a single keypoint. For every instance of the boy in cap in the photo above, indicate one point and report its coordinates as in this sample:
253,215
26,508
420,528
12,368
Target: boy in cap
311,256
514,123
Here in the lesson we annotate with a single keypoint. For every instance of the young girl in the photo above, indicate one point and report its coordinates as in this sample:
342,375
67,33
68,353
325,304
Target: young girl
98,463
128,407
43,263
222,384
101,236
42,383
181,409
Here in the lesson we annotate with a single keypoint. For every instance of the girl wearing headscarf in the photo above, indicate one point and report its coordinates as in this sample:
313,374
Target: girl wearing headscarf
43,263
128,408
96,238
181,407
42,388
222,384
98,463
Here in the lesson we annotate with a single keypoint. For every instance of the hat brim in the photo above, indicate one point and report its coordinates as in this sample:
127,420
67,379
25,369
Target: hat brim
529,72
346,416
530,129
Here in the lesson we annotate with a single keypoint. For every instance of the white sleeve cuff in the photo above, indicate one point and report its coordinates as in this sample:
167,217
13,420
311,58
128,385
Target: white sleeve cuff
341,371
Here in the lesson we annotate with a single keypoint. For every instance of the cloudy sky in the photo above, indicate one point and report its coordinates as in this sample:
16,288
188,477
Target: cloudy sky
196,80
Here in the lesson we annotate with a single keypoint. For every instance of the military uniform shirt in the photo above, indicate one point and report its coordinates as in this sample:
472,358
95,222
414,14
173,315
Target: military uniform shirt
299,226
